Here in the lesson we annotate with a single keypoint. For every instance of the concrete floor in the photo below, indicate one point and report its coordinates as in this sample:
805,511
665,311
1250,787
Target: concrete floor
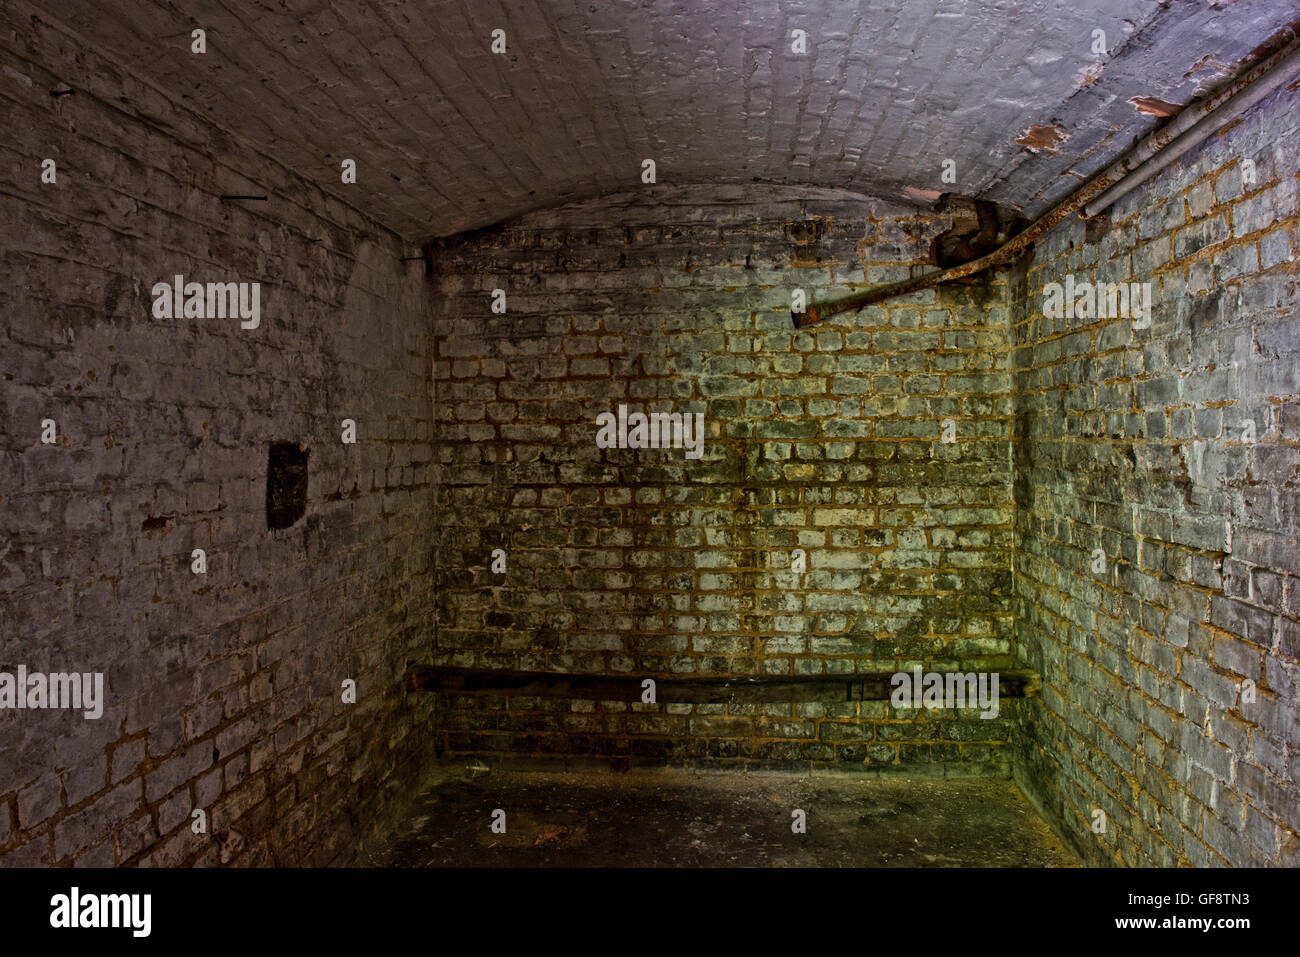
683,818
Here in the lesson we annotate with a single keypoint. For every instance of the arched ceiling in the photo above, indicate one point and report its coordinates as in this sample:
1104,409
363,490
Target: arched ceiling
449,136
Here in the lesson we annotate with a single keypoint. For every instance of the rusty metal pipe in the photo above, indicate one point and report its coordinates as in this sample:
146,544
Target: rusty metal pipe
1202,123
1092,193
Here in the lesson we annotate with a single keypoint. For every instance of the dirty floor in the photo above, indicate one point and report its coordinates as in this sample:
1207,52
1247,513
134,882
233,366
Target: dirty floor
683,818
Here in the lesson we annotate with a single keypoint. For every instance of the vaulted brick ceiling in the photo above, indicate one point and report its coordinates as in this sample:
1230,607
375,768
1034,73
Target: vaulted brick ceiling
449,136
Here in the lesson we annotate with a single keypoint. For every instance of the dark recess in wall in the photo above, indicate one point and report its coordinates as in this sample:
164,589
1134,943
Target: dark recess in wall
286,484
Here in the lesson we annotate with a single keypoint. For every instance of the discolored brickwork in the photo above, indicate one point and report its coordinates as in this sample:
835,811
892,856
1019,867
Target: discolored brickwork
223,690
645,561
1135,442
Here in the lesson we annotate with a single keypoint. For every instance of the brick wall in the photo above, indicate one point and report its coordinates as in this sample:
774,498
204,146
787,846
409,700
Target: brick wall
643,561
1134,441
223,691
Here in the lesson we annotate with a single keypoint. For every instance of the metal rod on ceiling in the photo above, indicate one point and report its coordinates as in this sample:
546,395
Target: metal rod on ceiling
1191,126
1201,123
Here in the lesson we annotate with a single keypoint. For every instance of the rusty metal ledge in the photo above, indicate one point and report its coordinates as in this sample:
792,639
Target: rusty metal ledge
685,690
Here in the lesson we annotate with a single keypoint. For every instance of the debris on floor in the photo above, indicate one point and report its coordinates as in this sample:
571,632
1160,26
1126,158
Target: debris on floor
690,818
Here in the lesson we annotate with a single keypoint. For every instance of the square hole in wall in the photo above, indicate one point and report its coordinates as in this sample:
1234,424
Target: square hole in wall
286,484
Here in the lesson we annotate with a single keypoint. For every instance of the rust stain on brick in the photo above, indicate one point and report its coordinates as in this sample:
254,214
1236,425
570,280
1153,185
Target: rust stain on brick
1272,45
1210,63
1088,75
1042,139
